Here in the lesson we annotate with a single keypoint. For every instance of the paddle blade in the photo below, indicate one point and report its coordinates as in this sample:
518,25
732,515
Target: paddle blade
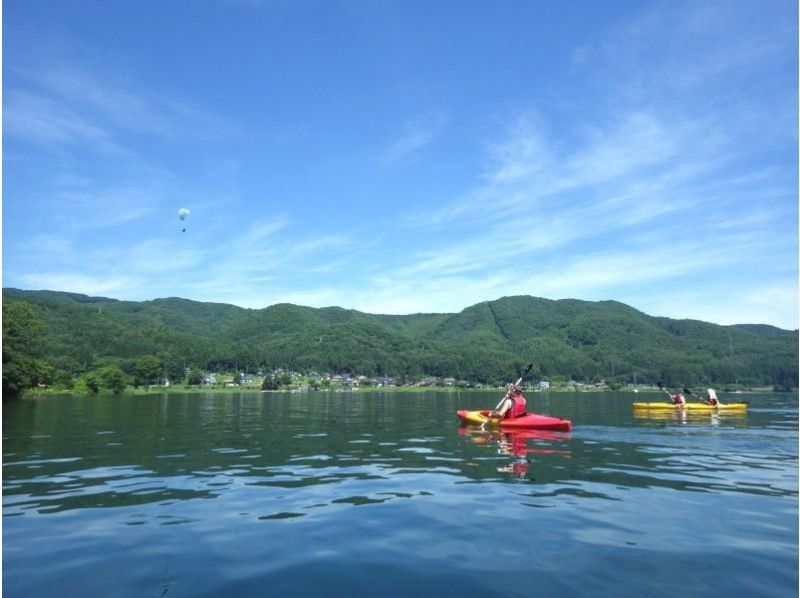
525,373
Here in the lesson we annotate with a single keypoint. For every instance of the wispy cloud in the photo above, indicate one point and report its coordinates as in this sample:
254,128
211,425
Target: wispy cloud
75,282
667,181
259,232
89,125
155,256
417,134
775,303
103,208
45,121
265,260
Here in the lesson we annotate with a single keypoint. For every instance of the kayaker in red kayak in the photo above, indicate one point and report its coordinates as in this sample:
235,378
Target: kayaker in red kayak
512,405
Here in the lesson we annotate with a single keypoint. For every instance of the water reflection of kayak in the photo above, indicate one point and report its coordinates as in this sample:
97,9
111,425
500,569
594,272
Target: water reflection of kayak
514,442
684,416
724,408
485,436
531,421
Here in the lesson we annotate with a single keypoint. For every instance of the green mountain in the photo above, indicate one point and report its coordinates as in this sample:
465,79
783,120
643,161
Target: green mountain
487,342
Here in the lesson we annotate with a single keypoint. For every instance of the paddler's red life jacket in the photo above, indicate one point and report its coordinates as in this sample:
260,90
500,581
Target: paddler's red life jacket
518,407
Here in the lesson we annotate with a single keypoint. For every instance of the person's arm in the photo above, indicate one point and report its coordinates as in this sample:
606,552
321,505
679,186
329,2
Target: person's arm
501,413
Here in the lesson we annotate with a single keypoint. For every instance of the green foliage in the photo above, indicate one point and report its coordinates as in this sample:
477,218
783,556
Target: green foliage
270,383
148,369
195,377
112,378
92,381
23,334
490,342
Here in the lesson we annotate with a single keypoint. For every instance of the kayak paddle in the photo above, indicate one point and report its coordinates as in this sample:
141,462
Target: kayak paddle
525,373
689,393
661,386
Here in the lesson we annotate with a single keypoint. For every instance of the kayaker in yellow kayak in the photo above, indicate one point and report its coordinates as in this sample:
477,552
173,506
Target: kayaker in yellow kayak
512,405
678,398
711,398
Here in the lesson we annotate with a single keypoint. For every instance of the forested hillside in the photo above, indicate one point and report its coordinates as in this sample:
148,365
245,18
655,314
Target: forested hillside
487,342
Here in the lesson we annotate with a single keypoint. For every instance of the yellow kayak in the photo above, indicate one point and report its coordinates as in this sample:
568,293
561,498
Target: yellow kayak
691,407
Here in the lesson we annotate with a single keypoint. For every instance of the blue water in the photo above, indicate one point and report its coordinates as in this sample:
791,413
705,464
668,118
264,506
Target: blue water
384,495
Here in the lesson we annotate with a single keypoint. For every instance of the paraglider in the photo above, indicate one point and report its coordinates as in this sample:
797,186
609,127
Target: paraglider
182,214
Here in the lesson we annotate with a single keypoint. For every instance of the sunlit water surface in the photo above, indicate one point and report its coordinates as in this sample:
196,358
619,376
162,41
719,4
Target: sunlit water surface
384,495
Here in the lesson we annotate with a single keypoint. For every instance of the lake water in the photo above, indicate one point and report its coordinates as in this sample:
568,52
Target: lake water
384,495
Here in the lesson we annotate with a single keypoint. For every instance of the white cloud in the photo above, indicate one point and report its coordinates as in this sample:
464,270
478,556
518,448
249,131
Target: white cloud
631,163
75,282
725,303
72,112
54,247
155,256
44,121
127,105
418,133
258,232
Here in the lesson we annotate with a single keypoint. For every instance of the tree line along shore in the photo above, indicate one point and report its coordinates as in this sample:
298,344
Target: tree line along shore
64,341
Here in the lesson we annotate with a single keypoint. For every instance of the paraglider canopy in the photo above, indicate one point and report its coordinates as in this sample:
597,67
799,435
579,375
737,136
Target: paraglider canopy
182,214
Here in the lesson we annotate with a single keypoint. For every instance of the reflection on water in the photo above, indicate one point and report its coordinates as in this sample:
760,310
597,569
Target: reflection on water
695,417
517,445
213,494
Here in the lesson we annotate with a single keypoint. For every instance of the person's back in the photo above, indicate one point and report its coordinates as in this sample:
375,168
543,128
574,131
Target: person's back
678,398
513,405
711,397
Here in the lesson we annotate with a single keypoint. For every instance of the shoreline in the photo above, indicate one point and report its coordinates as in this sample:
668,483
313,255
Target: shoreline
159,390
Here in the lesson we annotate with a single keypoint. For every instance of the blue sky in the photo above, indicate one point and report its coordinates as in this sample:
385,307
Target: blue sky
403,157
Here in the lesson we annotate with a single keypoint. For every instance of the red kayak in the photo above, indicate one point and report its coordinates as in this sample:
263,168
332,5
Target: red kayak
530,421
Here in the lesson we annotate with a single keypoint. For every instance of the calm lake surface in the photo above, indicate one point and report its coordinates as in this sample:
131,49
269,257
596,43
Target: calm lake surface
384,495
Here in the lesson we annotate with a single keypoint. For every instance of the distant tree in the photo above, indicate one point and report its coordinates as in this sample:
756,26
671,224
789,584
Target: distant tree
112,378
148,369
92,382
171,366
62,379
237,378
22,344
270,383
195,377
